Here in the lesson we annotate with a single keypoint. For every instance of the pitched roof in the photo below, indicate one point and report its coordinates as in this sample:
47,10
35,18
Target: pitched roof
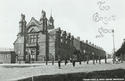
53,31
33,20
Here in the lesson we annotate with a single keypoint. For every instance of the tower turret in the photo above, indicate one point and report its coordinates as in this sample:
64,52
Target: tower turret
22,25
43,16
43,21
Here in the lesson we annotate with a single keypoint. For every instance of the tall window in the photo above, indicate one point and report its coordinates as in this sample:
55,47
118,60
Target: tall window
33,38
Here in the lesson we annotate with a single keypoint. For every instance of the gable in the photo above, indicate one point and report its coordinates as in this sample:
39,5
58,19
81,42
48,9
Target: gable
34,23
19,40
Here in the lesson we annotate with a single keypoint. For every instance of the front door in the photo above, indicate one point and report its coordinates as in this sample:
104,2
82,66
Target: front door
31,55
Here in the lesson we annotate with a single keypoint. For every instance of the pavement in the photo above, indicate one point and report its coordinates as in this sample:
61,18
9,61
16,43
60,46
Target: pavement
10,72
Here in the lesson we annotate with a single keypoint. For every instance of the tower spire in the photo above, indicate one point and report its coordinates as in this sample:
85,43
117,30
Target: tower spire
51,21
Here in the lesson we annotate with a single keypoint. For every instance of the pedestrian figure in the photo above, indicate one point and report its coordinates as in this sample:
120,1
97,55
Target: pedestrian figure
96,60
73,60
59,63
46,62
80,62
99,60
93,61
114,58
105,59
66,62
70,60
87,59
117,61
73,63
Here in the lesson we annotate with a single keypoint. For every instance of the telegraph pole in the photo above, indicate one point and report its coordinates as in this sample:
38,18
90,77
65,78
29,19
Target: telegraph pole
113,46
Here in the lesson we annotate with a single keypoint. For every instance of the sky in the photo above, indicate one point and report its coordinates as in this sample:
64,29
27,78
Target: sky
74,16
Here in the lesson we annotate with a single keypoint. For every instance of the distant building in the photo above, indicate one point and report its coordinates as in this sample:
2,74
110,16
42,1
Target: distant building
109,56
121,51
41,41
88,49
7,56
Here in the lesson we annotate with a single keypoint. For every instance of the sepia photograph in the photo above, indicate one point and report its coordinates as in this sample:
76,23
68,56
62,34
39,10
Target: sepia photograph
62,40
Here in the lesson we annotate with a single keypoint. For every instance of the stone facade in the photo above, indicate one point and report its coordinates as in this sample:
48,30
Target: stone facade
91,50
40,41
60,45
32,40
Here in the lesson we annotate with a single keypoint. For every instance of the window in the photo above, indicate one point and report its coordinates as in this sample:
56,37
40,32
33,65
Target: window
33,38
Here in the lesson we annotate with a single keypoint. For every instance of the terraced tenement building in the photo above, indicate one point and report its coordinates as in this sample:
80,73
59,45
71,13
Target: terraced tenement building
41,41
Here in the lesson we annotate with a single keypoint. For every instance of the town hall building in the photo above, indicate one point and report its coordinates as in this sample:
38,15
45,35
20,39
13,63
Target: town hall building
41,41
32,39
